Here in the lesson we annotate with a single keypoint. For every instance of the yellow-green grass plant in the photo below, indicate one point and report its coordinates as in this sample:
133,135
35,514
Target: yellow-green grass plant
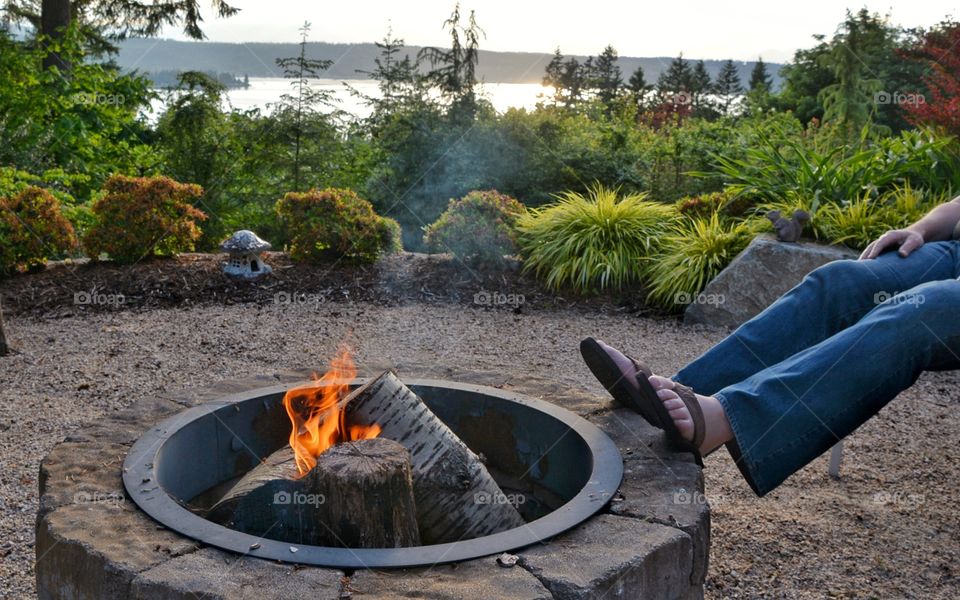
695,252
595,241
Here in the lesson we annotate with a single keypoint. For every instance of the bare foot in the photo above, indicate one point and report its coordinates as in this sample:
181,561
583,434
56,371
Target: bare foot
717,426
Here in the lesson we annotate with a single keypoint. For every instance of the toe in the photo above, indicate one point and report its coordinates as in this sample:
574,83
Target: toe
661,383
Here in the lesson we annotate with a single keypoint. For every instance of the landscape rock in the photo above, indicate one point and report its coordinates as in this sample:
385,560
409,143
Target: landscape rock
763,272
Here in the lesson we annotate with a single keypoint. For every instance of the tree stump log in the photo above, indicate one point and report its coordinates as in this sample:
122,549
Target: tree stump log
359,495
455,495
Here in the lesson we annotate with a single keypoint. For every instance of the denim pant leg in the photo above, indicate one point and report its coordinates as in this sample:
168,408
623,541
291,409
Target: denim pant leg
786,415
828,300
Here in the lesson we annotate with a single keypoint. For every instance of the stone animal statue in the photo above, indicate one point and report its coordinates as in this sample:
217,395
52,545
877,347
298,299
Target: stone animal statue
789,230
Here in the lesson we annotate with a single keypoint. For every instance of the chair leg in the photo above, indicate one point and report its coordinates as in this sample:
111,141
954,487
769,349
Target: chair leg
836,455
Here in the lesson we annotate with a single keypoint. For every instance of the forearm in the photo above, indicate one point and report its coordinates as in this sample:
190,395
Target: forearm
938,225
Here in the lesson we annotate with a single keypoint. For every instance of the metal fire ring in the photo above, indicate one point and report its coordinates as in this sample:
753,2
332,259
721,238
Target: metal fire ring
160,463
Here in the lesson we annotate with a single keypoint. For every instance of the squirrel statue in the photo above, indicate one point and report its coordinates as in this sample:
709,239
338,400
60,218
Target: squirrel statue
789,230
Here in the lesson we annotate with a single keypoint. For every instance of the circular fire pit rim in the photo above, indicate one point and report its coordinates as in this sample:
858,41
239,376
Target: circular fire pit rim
140,482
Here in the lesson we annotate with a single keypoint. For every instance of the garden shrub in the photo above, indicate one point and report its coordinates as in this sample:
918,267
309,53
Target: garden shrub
32,230
857,223
139,217
695,252
335,223
595,241
726,203
479,229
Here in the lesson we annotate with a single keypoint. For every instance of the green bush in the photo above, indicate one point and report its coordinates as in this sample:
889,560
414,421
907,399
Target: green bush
593,242
32,230
857,223
478,229
692,255
780,168
140,217
335,223
725,203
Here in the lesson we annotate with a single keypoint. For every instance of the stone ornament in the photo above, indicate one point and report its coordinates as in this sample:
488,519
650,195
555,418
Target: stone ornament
245,248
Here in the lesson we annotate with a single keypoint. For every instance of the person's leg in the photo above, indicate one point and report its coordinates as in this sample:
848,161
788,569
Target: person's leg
784,416
828,300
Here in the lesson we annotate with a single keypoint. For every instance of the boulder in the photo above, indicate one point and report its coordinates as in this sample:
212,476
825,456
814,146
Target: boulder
763,272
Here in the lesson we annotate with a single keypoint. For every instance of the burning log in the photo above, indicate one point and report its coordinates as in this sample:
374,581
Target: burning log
359,495
456,497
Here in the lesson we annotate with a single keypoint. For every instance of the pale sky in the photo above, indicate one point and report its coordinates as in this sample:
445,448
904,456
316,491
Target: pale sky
698,28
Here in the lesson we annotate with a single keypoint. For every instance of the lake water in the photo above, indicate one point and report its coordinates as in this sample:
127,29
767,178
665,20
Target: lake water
264,91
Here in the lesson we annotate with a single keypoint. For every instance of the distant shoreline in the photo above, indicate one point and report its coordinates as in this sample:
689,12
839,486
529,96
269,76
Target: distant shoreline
350,60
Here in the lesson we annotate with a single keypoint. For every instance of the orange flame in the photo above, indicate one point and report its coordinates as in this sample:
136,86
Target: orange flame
317,413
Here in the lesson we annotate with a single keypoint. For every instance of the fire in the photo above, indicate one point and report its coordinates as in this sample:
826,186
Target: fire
317,413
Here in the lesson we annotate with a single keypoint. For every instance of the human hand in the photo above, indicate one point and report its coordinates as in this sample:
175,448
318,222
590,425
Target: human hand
905,239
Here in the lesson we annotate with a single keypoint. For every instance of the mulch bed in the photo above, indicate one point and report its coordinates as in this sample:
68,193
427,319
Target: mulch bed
76,287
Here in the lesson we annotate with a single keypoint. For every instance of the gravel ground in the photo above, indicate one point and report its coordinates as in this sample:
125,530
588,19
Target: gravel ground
889,528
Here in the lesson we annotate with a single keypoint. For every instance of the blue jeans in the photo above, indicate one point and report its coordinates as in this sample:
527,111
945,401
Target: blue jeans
829,354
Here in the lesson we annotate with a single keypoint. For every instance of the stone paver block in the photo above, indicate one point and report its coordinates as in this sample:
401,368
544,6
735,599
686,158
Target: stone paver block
481,578
214,575
613,558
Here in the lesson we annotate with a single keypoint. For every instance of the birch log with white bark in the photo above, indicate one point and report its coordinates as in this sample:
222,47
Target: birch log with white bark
455,495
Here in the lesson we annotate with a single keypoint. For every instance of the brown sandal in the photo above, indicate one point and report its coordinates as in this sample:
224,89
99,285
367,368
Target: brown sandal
674,436
611,377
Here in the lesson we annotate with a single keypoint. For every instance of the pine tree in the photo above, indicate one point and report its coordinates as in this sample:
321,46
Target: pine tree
638,87
699,84
728,85
677,78
553,75
759,78
607,78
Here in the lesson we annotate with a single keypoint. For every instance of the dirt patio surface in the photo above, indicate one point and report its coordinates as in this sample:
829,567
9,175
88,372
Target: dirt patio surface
890,528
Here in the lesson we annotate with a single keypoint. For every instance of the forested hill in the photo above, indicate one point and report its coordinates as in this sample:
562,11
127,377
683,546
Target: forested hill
259,60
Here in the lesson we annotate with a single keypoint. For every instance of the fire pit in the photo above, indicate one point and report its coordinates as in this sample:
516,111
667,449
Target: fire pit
118,499
568,468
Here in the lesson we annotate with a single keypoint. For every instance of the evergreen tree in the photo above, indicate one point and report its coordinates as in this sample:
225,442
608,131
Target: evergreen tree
102,22
304,101
728,86
454,71
607,78
699,85
553,75
678,77
759,78
848,102
638,87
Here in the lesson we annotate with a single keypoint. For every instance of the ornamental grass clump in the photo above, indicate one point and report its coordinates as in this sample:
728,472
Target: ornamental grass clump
595,241
479,229
695,252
